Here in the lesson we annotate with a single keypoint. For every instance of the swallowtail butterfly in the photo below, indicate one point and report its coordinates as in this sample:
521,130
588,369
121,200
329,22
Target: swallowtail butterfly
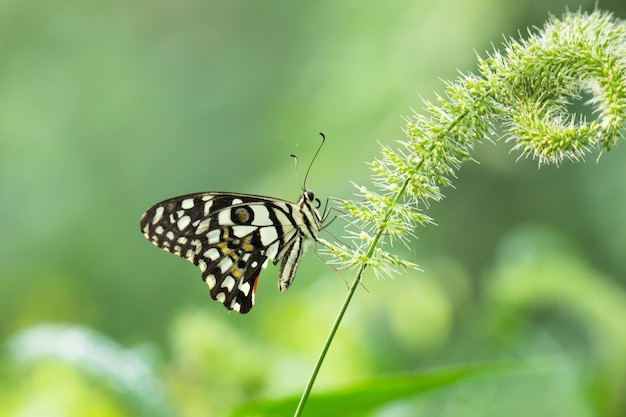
231,237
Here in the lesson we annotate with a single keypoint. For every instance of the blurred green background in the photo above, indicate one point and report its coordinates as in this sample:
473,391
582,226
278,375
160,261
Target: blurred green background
109,107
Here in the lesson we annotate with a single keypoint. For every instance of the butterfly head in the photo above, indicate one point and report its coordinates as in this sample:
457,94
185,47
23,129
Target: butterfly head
310,197
310,204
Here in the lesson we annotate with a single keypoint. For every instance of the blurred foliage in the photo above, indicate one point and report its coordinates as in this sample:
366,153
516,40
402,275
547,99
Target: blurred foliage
108,108
47,352
367,395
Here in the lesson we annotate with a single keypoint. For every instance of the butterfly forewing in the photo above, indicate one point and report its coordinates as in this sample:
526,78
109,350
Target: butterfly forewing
230,237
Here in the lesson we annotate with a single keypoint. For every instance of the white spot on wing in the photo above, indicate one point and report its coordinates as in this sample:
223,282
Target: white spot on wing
187,203
159,230
212,254
207,206
202,265
236,201
183,222
268,235
203,226
170,235
271,252
224,218
213,236
241,231
228,283
245,288
221,297
261,215
158,214
225,264
197,244
210,280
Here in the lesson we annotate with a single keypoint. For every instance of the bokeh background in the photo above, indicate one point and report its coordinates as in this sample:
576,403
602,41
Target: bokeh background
109,107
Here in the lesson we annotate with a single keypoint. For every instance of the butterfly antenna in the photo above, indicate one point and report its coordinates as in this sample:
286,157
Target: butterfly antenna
313,160
303,186
295,158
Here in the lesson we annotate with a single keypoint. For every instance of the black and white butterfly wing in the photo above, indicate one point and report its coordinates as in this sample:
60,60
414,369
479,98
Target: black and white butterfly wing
231,237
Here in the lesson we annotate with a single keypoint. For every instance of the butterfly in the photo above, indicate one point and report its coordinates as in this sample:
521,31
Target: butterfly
231,237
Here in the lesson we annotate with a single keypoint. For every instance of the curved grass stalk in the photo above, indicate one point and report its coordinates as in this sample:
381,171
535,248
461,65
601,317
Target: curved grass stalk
527,90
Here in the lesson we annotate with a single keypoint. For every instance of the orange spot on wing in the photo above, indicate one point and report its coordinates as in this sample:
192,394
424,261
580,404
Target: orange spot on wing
256,281
246,245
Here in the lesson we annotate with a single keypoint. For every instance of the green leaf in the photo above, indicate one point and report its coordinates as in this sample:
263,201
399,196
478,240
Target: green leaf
366,396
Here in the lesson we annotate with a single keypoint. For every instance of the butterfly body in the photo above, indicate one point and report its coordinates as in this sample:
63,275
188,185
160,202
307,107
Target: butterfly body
231,237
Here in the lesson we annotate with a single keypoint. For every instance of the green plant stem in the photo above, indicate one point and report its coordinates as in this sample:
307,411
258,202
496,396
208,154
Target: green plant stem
329,340
357,281
344,307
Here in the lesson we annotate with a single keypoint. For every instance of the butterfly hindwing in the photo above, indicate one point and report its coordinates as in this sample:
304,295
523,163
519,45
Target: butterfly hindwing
230,237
